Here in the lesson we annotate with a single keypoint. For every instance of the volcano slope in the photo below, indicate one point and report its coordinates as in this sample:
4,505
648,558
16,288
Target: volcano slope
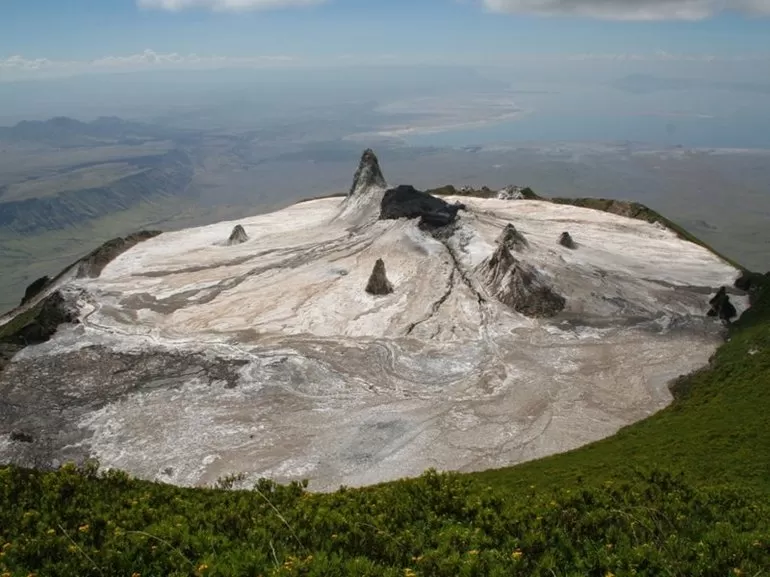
195,358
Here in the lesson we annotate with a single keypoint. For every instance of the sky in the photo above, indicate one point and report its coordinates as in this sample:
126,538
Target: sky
54,37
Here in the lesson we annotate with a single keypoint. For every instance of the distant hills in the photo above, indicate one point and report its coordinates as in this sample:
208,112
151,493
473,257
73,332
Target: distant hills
126,163
157,177
63,131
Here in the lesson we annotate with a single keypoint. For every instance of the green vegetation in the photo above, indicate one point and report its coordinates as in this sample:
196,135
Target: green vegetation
78,523
684,493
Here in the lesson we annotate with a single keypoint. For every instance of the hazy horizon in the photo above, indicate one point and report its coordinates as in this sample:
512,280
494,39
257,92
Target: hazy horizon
249,105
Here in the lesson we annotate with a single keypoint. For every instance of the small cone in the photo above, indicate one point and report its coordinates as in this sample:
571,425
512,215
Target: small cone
722,307
519,285
512,239
238,236
566,241
378,281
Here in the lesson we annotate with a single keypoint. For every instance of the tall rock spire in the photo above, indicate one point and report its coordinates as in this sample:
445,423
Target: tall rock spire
368,174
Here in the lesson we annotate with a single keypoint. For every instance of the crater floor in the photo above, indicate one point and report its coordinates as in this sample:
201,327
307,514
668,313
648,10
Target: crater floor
195,359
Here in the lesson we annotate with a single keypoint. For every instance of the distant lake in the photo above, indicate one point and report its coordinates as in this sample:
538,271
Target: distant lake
717,119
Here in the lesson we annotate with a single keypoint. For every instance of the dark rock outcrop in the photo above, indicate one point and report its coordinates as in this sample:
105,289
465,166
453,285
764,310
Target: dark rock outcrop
93,264
378,281
368,174
566,241
752,283
45,319
519,285
407,202
21,437
512,239
721,306
238,236
35,289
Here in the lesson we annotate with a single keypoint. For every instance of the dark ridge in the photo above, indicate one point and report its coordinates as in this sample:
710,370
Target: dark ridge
40,323
92,265
35,288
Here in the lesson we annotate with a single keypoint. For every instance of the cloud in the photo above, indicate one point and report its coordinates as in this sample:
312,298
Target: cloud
18,67
643,10
224,5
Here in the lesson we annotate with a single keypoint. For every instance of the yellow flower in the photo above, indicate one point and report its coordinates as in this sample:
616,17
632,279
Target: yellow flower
473,552
72,549
202,567
609,574
334,536
83,528
51,531
409,573
609,546
516,555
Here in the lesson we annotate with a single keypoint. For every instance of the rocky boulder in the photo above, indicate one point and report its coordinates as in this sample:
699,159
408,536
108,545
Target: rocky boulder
519,285
368,174
566,241
752,283
378,281
512,239
721,307
238,236
407,202
21,436
511,193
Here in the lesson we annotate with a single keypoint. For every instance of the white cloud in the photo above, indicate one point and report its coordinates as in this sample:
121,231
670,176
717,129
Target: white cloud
18,67
225,5
630,9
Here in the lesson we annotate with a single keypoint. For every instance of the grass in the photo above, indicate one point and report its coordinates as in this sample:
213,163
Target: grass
684,493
